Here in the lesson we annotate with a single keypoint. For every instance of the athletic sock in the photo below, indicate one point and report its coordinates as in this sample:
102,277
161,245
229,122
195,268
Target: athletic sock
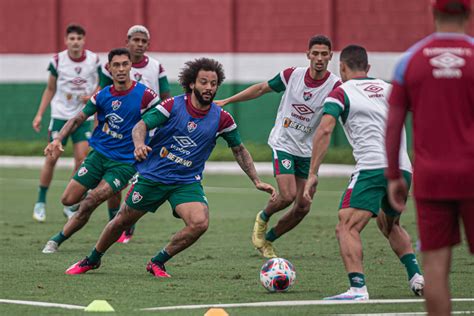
264,216
113,212
95,256
59,238
411,265
271,235
42,194
161,257
357,279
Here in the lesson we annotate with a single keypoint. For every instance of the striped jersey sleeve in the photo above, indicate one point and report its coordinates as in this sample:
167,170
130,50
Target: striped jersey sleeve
53,65
158,115
228,130
280,81
149,99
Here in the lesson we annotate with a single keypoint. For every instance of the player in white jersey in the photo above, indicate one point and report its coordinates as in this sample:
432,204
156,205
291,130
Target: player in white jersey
361,105
305,89
147,71
73,78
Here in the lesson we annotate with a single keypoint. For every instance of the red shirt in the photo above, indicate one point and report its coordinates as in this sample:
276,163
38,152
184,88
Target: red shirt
435,80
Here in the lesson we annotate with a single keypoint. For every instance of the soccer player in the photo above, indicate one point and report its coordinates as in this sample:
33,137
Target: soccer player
170,167
109,166
73,78
147,71
290,139
435,80
360,104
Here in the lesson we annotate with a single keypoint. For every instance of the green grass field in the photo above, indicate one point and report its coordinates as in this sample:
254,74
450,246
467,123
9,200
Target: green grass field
222,267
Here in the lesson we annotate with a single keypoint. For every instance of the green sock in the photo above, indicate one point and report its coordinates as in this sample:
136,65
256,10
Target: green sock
161,257
113,212
264,216
357,279
411,264
59,238
42,194
95,256
271,235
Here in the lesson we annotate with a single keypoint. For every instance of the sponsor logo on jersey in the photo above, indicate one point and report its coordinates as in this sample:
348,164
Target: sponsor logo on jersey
68,96
286,163
138,76
117,183
181,150
447,65
136,197
302,109
78,70
164,153
106,129
372,88
116,104
113,119
78,81
82,171
185,141
191,126
287,123
307,95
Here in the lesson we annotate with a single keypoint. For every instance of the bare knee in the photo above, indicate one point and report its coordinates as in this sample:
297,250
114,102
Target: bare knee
199,226
68,199
302,209
287,198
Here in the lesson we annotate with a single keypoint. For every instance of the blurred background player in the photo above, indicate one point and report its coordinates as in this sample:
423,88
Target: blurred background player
361,105
170,167
147,71
109,165
73,79
435,80
305,89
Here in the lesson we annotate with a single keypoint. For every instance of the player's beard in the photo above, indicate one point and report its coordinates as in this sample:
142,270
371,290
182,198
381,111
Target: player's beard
201,99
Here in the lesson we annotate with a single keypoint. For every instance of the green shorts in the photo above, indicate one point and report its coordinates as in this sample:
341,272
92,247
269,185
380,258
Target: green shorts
367,190
97,167
81,134
285,163
147,196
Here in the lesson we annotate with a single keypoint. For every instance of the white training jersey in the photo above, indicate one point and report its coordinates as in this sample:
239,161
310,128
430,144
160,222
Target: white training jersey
75,78
361,105
147,72
300,111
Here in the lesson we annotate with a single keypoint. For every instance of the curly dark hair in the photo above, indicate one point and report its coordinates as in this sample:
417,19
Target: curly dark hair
191,69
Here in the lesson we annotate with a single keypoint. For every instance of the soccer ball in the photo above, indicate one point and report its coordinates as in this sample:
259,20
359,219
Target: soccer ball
277,275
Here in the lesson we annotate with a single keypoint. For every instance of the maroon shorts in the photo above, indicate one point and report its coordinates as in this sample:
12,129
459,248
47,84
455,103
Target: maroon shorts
439,223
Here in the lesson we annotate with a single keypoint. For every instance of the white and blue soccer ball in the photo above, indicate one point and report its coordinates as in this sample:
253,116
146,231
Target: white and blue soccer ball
277,275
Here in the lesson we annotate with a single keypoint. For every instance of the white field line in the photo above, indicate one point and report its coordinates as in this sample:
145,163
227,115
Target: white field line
258,304
42,304
296,303
207,189
212,167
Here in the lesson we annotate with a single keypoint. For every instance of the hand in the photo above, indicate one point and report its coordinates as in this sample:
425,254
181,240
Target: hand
310,187
37,123
141,152
397,193
221,103
54,149
262,186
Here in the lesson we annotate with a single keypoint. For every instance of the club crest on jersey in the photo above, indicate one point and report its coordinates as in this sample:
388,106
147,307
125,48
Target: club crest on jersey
78,69
138,76
82,171
116,104
307,95
286,163
136,197
191,126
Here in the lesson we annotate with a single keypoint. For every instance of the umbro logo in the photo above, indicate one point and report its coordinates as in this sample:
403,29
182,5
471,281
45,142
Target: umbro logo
185,141
302,109
78,81
447,60
373,89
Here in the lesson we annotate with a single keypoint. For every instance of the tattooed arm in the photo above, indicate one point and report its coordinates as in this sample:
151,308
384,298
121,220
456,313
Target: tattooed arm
245,161
139,133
